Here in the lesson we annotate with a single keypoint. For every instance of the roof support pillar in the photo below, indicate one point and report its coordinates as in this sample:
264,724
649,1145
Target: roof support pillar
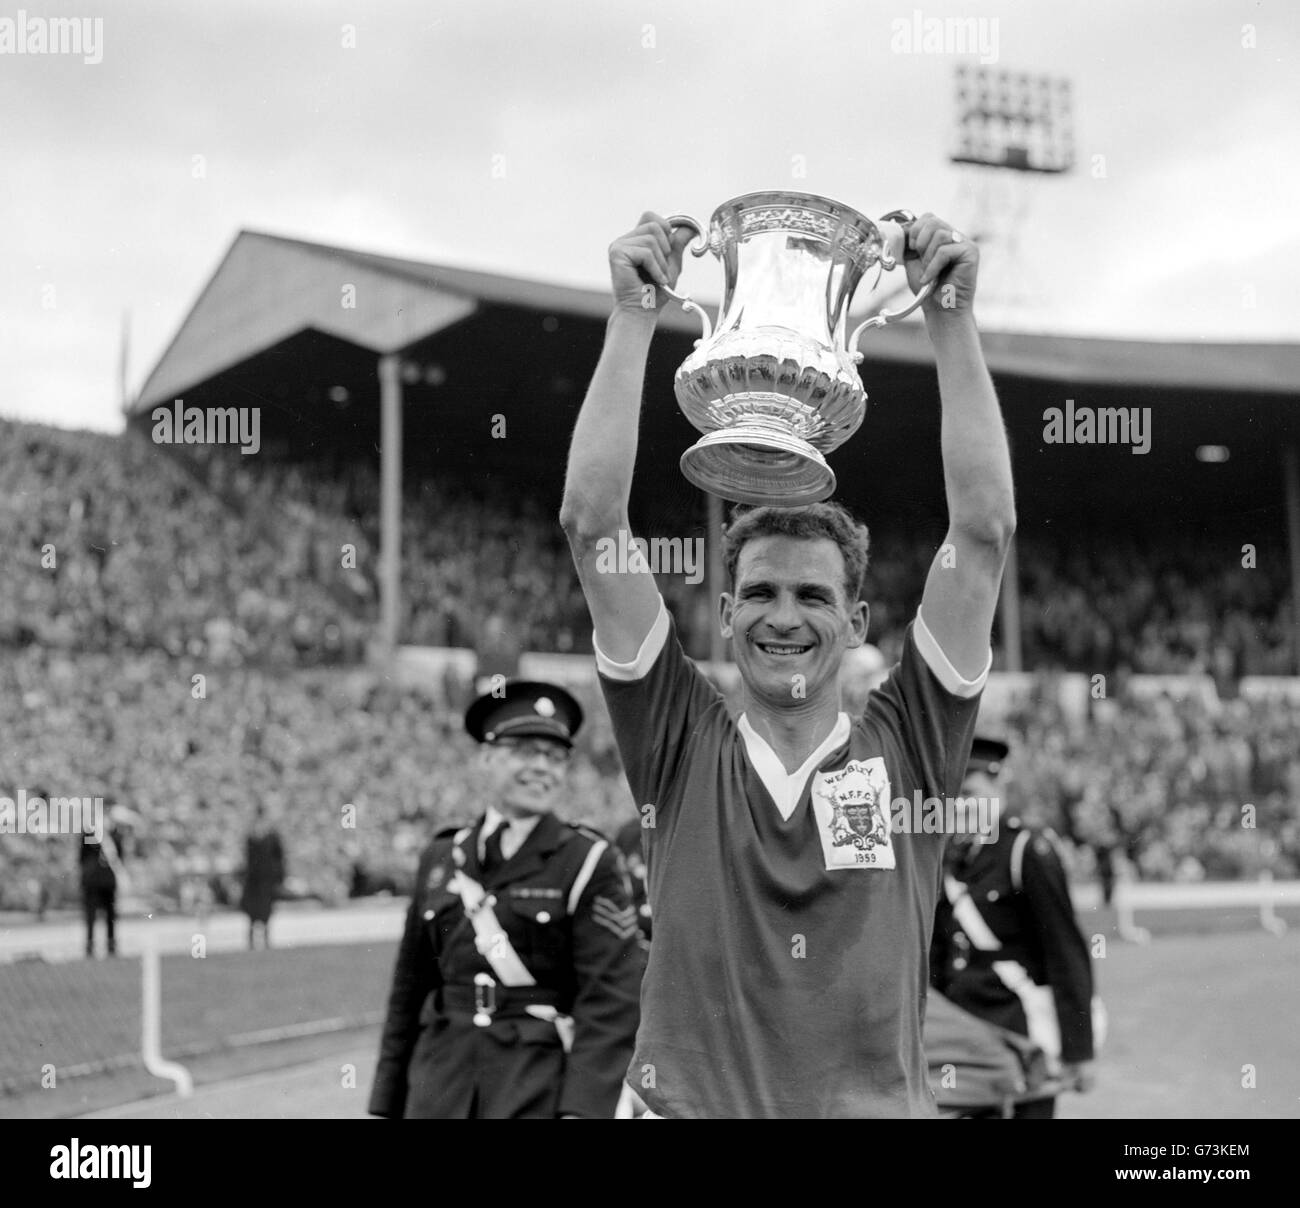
1291,476
717,577
390,522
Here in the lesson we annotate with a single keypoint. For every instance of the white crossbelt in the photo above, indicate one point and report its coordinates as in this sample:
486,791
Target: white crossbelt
1037,1002
490,937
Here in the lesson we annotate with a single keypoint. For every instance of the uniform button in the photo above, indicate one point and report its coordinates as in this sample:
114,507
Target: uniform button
993,895
543,917
959,963
428,914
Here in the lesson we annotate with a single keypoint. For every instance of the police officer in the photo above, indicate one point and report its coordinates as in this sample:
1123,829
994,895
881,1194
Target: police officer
1006,945
516,987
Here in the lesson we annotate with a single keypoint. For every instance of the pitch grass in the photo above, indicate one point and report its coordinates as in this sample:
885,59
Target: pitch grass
1188,1014
224,1014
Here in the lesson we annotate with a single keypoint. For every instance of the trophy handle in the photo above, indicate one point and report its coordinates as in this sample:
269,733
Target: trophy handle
903,218
698,247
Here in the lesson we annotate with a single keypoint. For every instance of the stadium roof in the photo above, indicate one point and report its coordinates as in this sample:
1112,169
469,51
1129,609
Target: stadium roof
268,288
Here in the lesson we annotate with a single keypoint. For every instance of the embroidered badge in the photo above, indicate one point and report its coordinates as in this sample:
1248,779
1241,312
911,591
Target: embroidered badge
437,876
852,811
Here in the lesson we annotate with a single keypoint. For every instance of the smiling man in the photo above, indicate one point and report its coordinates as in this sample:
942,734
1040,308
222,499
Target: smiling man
788,972
515,991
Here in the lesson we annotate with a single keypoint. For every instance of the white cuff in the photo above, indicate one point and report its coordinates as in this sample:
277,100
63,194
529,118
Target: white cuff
645,657
944,671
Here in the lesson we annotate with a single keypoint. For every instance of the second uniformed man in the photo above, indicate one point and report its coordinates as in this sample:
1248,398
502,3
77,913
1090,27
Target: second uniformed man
1006,944
516,985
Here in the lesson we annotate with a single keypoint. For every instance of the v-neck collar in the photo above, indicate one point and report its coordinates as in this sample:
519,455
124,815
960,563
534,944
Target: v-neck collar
785,787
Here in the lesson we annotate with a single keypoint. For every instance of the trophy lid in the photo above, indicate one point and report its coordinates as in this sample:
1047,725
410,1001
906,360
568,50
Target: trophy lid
807,215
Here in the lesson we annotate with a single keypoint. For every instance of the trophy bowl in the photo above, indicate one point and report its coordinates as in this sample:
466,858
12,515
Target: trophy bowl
773,384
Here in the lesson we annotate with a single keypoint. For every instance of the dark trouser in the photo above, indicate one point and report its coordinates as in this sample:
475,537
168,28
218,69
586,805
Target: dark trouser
1036,1109
511,1070
93,901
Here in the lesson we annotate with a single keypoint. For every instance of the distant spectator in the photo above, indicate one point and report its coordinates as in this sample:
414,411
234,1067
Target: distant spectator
263,875
498,653
101,870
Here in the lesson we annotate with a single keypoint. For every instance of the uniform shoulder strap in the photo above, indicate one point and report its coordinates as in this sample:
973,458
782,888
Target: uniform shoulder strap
597,849
1018,860
443,839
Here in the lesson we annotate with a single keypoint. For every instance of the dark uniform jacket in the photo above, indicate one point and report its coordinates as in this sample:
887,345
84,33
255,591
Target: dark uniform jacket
628,842
435,1061
1033,917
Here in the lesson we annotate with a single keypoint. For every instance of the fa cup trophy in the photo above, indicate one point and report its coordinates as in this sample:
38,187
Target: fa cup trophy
774,386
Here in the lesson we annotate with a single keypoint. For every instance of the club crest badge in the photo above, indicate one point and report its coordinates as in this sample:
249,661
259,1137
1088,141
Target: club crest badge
852,811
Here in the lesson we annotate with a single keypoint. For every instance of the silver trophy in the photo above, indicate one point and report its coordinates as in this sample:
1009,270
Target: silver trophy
774,385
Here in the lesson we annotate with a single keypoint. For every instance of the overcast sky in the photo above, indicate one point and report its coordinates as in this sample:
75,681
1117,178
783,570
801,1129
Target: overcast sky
523,137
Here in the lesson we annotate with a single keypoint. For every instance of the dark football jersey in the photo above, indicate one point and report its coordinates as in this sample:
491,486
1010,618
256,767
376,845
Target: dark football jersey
789,966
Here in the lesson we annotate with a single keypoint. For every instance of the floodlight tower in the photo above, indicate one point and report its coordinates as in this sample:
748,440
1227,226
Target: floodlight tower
1012,130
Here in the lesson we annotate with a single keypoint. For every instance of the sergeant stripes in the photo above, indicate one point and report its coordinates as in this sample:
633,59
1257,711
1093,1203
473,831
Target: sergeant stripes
621,922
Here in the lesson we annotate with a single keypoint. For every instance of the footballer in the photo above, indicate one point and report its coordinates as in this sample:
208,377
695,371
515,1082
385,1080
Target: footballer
789,967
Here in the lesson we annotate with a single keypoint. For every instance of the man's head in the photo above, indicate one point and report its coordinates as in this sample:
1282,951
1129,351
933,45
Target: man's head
266,814
981,781
984,766
793,607
527,730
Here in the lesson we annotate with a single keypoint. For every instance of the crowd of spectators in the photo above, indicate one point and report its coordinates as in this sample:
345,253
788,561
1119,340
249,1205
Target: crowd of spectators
356,774
1172,602
1184,789
133,570
113,542
1176,602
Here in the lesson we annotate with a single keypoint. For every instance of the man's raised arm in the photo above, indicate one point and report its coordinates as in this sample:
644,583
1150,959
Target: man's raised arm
603,453
961,592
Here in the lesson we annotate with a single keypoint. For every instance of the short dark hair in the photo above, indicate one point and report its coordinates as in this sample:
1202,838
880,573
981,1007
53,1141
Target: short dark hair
831,521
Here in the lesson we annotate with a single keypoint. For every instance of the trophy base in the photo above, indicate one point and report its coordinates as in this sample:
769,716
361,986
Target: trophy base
752,463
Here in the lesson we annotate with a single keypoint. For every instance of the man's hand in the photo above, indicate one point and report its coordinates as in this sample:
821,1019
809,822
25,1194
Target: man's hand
1079,1075
935,252
648,255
